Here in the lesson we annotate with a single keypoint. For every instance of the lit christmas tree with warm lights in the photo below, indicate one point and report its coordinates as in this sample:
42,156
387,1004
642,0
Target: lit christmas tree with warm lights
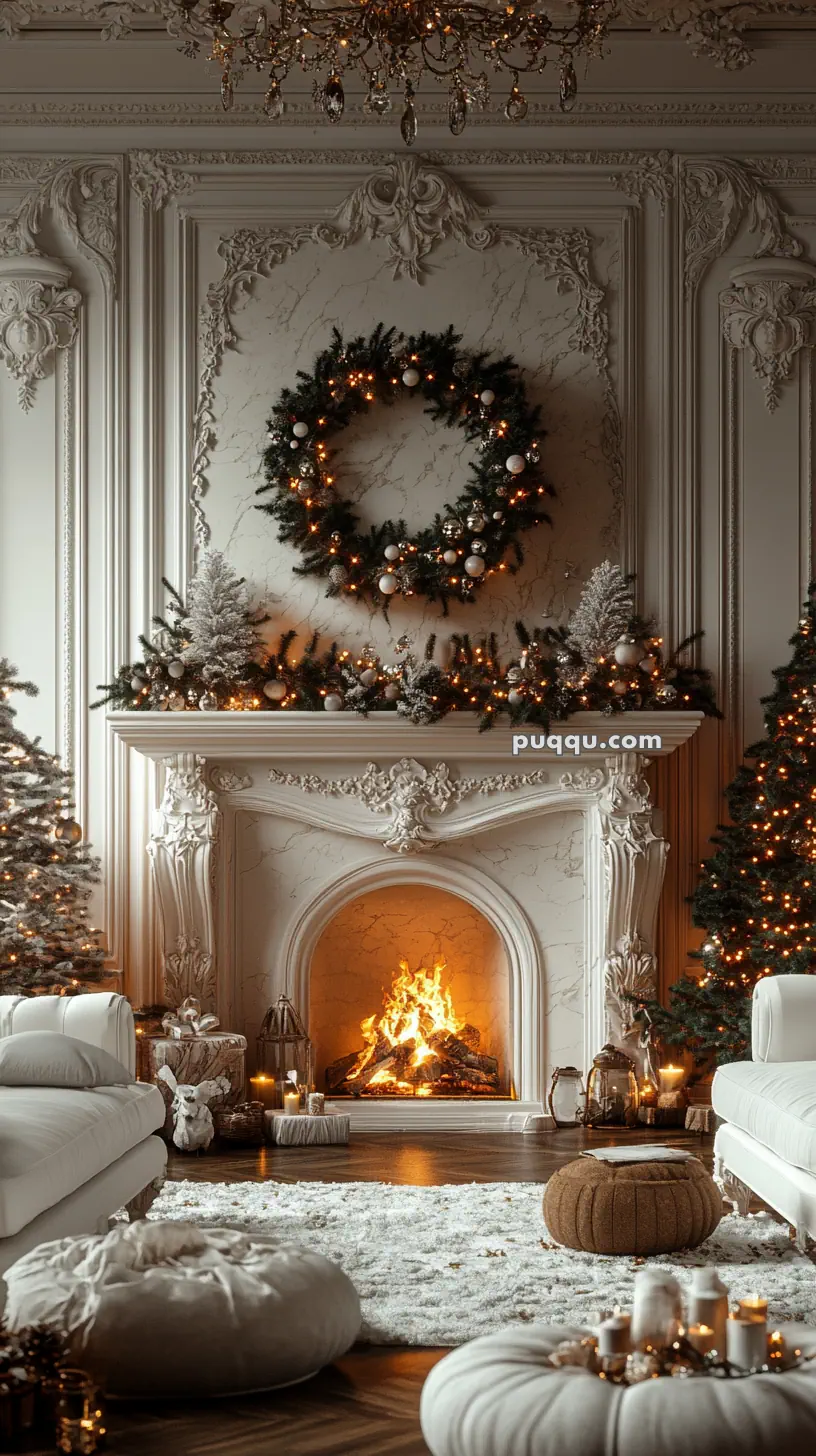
756,898
46,869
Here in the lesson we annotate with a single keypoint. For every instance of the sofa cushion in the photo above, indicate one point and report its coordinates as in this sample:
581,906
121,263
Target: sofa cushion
51,1059
774,1102
53,1140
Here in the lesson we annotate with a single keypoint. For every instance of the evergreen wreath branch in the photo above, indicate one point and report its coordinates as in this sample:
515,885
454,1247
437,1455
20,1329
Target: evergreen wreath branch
479,534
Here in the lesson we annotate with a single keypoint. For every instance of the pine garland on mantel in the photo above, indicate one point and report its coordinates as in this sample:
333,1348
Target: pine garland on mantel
550,679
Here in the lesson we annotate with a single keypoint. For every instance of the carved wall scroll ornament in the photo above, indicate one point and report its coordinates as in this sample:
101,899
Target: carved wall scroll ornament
38,316
720,196
82,199
769,312
408,792
413,207
182,854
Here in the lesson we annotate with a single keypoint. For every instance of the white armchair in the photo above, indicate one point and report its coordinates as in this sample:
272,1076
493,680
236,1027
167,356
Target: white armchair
70,1157
766,1143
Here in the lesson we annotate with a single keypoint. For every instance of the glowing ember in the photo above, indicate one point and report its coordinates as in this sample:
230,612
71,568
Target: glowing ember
418,1047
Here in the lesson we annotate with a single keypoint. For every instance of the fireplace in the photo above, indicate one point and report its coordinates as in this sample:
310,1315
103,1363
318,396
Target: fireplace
309,854
409,995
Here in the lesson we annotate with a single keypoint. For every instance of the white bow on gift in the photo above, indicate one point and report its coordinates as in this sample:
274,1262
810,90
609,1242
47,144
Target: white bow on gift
187,1021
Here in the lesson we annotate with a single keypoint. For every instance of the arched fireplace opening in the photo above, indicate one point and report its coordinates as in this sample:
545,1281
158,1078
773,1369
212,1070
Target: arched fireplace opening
410,996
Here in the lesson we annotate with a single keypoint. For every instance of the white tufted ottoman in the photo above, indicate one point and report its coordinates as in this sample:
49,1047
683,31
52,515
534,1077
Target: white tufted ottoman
167,1309
496,1397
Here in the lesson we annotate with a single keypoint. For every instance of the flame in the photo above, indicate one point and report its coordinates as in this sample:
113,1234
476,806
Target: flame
415,1008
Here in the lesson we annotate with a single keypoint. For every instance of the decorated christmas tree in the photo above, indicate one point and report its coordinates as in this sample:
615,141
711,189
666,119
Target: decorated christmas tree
46,869
756,898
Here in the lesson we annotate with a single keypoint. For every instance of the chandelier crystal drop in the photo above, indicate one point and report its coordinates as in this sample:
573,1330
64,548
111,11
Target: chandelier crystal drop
395,44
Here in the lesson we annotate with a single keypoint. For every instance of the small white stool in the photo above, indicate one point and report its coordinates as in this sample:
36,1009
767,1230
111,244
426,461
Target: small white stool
302,1131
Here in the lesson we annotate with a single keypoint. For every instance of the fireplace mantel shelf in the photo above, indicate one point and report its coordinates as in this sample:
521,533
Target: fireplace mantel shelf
338,736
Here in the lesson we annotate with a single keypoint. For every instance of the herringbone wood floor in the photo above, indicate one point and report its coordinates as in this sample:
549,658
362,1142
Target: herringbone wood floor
367,1403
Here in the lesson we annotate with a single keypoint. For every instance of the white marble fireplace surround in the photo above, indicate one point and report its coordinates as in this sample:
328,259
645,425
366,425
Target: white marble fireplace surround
269,824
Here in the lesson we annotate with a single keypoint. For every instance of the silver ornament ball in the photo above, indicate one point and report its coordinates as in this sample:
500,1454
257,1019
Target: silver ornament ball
478,546
300,430
410,377
515,464
476,521
275,690
474,565
451,528
208,703
338,576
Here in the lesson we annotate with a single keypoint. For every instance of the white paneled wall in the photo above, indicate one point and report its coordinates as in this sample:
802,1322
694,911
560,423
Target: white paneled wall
144,435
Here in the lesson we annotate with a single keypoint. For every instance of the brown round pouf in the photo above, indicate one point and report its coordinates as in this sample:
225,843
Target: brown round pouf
631,1208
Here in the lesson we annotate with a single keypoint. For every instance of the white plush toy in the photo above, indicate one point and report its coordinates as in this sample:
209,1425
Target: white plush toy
193,1126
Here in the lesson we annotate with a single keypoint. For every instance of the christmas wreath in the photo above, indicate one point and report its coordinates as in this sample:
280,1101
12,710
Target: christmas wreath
479,533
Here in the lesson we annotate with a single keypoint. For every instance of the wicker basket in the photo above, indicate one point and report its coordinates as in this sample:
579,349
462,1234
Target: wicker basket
241,1124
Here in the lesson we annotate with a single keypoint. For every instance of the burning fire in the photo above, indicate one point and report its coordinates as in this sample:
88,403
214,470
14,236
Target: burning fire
416,1009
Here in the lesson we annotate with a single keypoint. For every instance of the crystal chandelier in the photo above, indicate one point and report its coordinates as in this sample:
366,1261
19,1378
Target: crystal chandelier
396,43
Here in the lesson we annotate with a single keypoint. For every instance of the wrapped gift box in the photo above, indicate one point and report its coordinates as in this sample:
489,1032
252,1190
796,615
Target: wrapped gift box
193,1059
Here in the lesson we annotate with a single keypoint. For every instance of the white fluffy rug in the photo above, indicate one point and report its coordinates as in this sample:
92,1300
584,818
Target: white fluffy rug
438,1266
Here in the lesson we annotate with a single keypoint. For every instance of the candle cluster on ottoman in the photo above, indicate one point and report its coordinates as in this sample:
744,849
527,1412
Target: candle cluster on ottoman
632,1208
656,1380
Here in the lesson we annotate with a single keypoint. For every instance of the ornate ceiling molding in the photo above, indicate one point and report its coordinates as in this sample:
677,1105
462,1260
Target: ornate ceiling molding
770,312
751,112
716,29
411,207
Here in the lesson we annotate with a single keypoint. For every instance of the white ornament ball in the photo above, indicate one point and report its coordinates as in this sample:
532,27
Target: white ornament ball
628,652
391,553
333,703
177,702
620,688
274,690
487,396
369,677
300,430
391,692
387,583
474,565
515,464
647,664
515,698
410,377
293,444
136,684
176,669
450,558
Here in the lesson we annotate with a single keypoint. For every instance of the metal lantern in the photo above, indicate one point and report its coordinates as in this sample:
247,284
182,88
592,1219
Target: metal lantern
284,1047
612,1095
566,1099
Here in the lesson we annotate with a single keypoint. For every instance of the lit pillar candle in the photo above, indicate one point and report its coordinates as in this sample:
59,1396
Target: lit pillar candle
702,1338
614,1335
263,1089
657,1313
746,1342
291,1103
671,1079
708,1304
753,1308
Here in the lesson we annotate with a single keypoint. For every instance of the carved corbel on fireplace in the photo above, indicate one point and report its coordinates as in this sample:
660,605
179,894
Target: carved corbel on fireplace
182,852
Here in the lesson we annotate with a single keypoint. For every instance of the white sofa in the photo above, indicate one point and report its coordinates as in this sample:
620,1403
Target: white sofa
69,1158
766,1143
